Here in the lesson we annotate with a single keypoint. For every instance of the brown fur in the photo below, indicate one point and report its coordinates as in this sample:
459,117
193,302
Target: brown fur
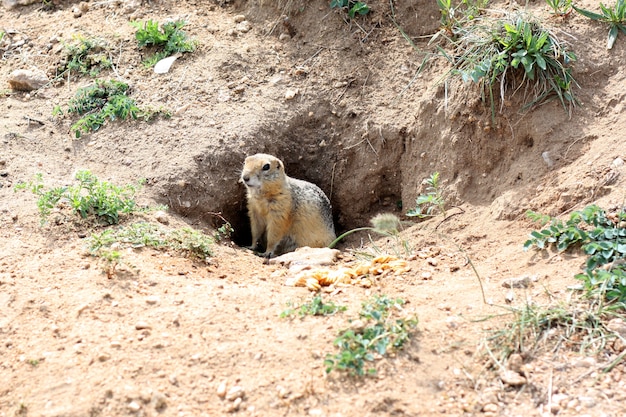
285,213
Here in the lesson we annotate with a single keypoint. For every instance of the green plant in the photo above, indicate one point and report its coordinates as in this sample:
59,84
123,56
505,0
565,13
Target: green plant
84,55
426,204
456,14
102,101
515,52
90,197
616,18
561,8
385,327
353,7
602,238
170,39
315,307
143,234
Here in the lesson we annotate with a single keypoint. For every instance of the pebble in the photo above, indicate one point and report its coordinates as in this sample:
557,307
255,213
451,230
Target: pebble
618,326
512,378
522,282
221,389
27,80
515,362
243,27
142,325
162,217
490,408
152,299
239,18
618,162
134,406
290,94
234,393
431,261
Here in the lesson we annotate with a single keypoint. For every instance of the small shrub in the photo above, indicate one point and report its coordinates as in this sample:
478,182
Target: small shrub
386,327
85,56
615,18
432,202
353,7
169,40
315,307
90,197
517,53
602,238
102,101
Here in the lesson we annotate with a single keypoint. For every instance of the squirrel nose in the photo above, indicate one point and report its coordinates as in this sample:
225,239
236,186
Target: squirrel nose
246,178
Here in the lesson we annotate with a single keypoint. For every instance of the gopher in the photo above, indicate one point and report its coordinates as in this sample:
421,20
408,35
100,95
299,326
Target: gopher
285,213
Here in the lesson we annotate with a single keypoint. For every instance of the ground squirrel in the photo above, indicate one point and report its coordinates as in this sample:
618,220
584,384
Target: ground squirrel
285,213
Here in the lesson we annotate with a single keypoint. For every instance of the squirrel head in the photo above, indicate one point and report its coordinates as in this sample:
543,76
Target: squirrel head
261,169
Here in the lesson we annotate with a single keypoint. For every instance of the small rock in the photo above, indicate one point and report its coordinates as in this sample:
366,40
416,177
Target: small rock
515,362
512,378
431,261
427,276
162,217
134,406
522,282
234,393
103,357
618,326
290,94
618,162
235,405
152,299
284,37
588,402
27,80
239,18
221,389
490,408
10,4
159,401
142,325
243,27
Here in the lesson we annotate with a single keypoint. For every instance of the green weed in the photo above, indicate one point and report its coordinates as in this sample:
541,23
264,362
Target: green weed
432,202
560,8
315,307
85,56
514,52
602,238
169,39
89,198
106,245
102,101
615,18
353,7
386,327
454,14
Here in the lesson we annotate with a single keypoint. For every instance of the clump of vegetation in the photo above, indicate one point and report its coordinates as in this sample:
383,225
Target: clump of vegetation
602,237
107,244
560,8
615,18
89,198
84,56
353,7
386,326
430,203
168,40
102,101
315,307
514,53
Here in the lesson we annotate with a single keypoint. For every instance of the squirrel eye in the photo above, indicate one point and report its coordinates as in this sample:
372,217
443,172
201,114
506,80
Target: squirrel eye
266,167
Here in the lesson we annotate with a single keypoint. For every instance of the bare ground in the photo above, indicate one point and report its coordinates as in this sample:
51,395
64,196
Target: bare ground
162,335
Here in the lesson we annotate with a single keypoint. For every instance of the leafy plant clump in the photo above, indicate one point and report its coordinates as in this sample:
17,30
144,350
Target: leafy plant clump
514,53
353,7
560,8
169,39
85,56
315,307
102,101
615,18
107,244
384,326
602,238
432,202
89,198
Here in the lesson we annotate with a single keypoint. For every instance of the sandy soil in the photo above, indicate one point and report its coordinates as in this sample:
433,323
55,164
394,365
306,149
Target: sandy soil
346,106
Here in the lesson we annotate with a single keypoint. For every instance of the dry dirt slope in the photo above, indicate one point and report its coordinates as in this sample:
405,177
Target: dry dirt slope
161,337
